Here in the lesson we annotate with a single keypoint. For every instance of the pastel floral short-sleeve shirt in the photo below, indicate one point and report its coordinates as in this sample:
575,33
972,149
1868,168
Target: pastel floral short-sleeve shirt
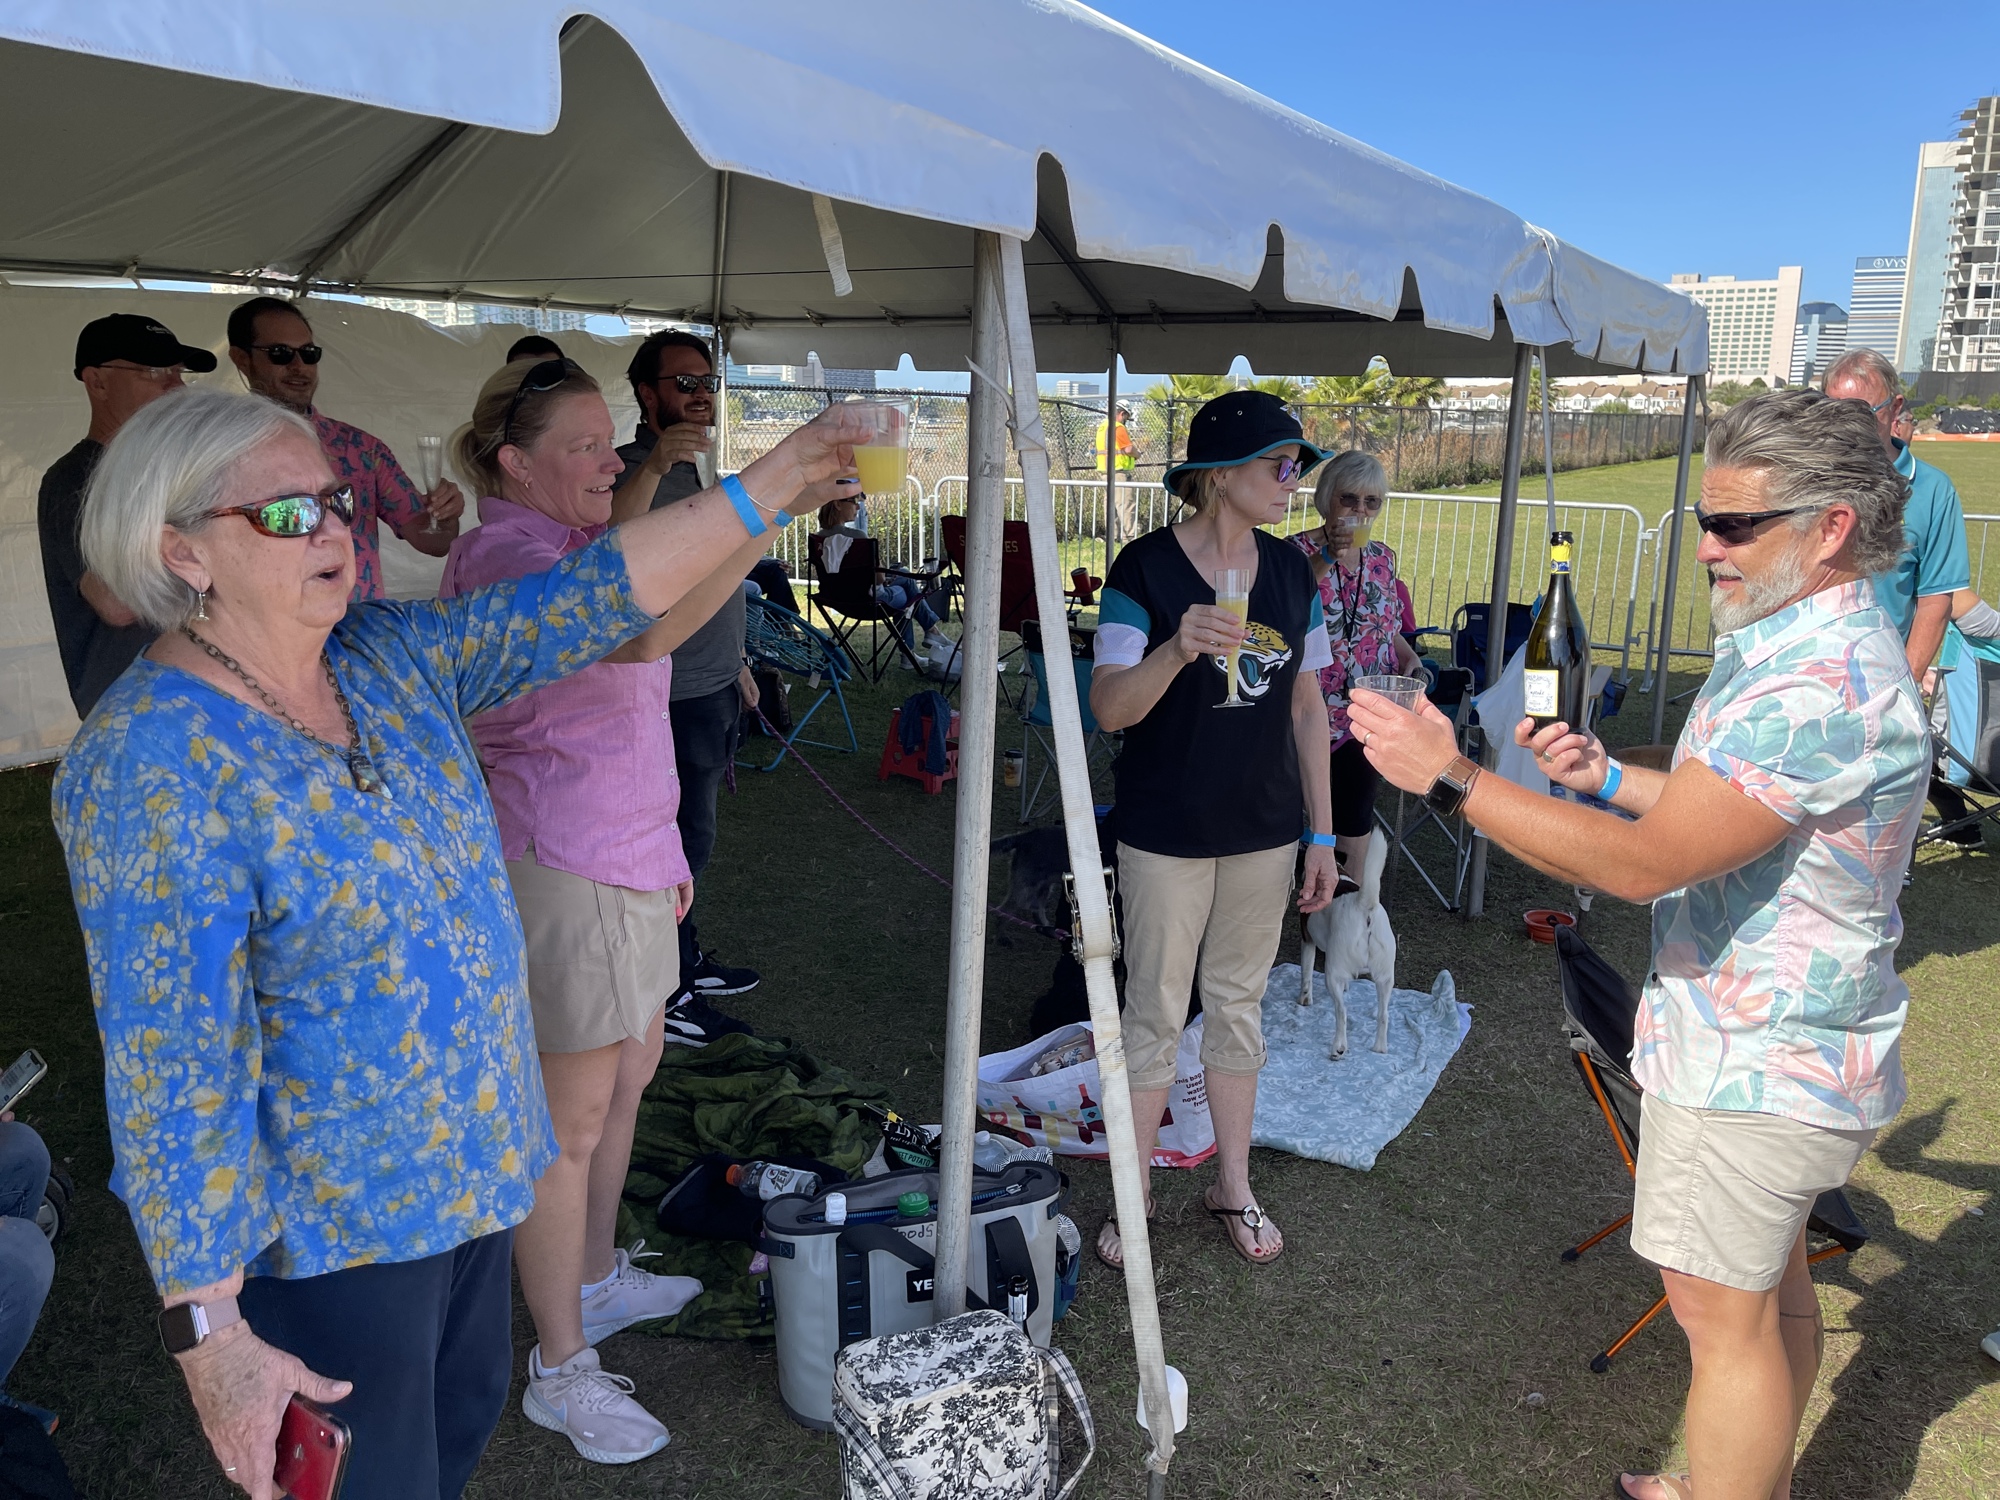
1773,987
313,1001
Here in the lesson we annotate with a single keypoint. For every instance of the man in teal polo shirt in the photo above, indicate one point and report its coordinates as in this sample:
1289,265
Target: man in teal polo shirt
1916,593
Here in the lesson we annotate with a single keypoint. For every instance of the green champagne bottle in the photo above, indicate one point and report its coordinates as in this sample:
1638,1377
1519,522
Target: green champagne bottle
1558,665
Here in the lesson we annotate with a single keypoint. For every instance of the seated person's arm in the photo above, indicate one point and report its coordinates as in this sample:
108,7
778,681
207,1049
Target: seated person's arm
1972,615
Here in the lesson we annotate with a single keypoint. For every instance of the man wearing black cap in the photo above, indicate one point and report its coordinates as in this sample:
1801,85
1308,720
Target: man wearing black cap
125,361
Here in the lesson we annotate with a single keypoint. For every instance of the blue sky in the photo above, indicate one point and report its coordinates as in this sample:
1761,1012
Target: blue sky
1727,139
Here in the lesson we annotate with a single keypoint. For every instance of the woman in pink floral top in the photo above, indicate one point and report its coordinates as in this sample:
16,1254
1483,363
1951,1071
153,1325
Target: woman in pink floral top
1364,620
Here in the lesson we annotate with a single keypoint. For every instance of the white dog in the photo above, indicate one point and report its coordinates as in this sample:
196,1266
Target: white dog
1353,933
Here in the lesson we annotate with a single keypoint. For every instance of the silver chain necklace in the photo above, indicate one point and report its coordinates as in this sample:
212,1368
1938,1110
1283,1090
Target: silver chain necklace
359,766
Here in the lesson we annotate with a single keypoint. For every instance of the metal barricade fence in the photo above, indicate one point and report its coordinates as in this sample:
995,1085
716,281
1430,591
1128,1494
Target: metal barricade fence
1982,542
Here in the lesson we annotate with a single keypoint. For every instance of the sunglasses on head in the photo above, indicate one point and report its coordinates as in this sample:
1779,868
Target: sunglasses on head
1733,528
284,354
289,516
542,379
687,385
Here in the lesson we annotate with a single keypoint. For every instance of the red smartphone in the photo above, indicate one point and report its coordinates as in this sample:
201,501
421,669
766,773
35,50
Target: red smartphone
312,1451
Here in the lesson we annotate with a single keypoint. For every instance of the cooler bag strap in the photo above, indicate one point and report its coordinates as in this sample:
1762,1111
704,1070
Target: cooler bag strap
857,1242
1060,1374
1007,1257
860,1446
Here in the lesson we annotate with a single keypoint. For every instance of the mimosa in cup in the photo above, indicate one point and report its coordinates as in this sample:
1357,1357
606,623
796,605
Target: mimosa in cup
883,461
1232,594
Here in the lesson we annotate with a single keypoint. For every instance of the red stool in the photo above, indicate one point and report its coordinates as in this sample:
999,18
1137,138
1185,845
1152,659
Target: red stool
896,763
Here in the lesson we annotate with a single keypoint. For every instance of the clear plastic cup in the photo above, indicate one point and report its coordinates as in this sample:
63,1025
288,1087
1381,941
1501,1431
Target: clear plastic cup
883,460
1401,691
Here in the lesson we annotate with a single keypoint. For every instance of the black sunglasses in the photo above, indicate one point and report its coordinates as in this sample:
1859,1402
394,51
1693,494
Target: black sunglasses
687,385
283,354
290,516
1735,527
544,378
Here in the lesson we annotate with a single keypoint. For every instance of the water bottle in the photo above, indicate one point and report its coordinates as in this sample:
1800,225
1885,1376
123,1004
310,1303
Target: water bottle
1017,1301
988,1154
767,1180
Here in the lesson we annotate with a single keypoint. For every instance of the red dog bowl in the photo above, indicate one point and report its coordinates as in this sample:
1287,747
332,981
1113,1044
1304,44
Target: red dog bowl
1541,923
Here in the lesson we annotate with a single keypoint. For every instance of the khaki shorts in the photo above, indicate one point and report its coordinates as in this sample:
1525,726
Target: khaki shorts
1226,914
1723,1193
602,959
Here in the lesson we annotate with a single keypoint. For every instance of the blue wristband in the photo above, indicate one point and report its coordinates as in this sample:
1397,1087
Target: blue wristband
746,508
1614,777
1316,840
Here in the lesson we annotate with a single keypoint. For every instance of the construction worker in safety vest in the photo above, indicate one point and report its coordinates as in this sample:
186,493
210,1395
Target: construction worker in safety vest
1127,461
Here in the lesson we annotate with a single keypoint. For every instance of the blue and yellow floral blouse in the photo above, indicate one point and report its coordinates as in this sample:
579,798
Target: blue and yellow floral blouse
318,1051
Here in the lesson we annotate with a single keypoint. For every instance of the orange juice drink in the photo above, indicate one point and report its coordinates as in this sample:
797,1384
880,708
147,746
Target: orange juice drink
1239,606
883,461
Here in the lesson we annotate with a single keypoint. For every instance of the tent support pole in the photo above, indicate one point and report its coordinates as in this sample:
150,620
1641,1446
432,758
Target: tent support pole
1503,583
986,448
1112,540
1092,898
1663,645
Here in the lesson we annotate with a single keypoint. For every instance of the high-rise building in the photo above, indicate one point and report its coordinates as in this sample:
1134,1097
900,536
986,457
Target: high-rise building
1929,256
1875,308
1750,323
1968,339
1819,339
450,313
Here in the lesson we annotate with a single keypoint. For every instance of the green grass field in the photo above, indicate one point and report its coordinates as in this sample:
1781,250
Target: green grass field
1397,1350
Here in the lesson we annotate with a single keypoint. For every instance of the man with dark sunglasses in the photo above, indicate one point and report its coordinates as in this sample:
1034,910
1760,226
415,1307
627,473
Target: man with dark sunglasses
272,347
673,380
124,362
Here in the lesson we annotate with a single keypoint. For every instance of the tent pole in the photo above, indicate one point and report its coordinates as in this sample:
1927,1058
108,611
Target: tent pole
1664,644
1503,583
1092,899
1112,540
986,453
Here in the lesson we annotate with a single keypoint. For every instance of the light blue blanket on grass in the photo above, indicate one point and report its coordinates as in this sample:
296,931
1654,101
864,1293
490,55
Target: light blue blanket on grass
1345,1112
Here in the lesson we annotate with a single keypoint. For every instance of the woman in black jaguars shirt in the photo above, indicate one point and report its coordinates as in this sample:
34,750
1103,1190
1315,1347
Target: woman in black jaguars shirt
1211,800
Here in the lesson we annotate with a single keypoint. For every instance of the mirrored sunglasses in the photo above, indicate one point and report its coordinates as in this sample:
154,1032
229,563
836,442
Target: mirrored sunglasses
1288,468
284,354
687,385
288,516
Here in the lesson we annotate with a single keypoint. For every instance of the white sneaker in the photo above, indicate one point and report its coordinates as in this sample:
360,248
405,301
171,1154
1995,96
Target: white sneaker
594,1410
631,1295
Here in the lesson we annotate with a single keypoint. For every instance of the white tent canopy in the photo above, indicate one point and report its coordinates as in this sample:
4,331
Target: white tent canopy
904,177
505,155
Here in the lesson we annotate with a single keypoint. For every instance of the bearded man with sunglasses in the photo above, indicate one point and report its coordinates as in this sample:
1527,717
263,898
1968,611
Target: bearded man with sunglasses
272,347
673,379
1767,1039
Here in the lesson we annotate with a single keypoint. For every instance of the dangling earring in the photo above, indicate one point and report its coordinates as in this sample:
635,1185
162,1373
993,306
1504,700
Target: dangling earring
201,604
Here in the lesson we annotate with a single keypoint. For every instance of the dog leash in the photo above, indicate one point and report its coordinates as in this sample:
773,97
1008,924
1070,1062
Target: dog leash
855,813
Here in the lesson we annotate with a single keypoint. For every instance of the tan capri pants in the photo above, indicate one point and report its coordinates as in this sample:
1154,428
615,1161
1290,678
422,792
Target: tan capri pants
602,959
1228,912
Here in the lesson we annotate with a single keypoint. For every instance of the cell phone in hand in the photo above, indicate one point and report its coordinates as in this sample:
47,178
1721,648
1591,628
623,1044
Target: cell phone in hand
28,1070
312,1451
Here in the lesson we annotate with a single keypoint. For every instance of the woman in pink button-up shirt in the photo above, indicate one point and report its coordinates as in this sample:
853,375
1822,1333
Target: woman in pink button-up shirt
585,794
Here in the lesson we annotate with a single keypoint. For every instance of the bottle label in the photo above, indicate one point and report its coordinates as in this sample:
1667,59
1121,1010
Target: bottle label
1559,558
1542,689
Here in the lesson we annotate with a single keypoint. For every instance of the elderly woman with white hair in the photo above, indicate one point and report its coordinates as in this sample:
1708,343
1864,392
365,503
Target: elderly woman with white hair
304,952
1364,622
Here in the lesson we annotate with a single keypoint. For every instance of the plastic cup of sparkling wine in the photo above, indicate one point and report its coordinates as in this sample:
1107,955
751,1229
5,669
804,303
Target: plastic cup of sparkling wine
430,470
1232,594
1401,691
883,459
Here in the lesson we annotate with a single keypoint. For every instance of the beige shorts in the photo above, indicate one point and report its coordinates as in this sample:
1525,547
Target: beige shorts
1723,1193
1224,914
602,959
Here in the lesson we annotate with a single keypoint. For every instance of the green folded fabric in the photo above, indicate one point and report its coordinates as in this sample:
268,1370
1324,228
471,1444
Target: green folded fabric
744,1096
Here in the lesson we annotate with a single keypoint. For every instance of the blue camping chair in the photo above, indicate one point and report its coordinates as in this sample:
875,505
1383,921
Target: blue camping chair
1037,726
1965,722
775,637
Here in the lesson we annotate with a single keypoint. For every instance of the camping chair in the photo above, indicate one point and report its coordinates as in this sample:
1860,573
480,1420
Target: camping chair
775,637
1468,638
1598,1011
850,593
1965,724
1017,577
1099,747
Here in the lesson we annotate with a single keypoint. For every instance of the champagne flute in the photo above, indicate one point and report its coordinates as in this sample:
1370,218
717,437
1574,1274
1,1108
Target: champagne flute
430,472
1232,594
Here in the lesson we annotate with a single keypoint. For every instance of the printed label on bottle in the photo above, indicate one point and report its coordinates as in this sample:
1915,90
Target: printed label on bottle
1559,558
1542,690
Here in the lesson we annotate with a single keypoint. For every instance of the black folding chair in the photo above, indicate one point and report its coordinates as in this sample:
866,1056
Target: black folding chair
1598,1011
845,599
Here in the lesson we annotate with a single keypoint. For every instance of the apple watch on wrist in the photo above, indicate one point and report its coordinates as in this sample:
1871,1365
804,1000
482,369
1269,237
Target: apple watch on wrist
186,1324
1448,792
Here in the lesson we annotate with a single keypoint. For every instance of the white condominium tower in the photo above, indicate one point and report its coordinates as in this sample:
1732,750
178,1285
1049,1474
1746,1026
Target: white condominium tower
1968,336
1750,323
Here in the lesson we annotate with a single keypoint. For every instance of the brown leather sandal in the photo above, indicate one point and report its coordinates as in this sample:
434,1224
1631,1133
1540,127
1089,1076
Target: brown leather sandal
1111,1223
1254,1219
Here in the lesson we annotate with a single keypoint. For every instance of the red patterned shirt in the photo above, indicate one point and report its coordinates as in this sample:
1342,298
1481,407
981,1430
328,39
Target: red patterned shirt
381,491
1363,615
